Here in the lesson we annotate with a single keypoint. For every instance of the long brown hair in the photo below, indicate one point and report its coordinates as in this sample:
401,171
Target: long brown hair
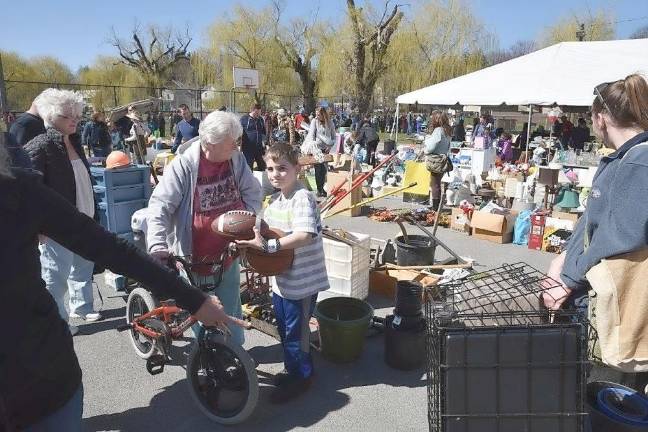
626,101
440,119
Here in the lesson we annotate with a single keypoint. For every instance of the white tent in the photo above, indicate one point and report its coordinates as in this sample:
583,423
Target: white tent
563,74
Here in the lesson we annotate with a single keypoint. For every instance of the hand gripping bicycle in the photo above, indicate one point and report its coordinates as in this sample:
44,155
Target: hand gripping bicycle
221,375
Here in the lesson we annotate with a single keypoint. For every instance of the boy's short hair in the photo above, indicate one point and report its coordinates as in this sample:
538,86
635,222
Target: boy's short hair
285,151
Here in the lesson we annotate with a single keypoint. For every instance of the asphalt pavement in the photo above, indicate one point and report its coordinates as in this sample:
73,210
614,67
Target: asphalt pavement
362,396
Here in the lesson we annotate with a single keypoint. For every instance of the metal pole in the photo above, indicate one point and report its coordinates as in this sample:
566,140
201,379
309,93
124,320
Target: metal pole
395,125
3,91
528,137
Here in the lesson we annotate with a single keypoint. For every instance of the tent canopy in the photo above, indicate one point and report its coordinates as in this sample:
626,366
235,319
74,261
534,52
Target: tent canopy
563,74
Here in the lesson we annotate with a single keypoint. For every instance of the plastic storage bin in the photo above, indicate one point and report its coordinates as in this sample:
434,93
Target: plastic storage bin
121,193
132,175
117,217
347,267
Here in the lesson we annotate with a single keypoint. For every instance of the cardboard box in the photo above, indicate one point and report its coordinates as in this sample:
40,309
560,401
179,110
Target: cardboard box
566,216
459,221
383,282
537,230
493,227
332,180
556,232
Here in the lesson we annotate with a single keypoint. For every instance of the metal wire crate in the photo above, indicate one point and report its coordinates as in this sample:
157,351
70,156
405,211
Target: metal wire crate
498,361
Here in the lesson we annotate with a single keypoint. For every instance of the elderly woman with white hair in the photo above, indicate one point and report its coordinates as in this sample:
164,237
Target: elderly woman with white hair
59,156
209,178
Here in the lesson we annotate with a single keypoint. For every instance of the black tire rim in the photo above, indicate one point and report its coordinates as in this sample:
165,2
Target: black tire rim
220,381
137,309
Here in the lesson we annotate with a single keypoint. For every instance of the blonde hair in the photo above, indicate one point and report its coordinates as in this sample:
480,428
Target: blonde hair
52,103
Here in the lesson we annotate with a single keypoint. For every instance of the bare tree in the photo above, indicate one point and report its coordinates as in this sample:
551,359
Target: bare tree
640,33
518,49
300,44
153,52
370,43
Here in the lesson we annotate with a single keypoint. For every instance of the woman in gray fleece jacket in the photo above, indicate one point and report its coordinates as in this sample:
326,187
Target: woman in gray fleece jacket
208,179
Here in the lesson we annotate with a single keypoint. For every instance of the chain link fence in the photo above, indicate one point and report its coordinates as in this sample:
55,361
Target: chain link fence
20,95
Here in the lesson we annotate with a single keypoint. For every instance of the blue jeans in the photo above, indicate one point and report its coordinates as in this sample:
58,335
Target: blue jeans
62,270
67,418
228,292
292,323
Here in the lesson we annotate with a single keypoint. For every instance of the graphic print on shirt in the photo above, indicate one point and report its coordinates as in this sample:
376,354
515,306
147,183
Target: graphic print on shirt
216,193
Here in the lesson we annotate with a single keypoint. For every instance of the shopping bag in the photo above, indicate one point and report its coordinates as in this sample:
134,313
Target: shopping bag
618,312
417,172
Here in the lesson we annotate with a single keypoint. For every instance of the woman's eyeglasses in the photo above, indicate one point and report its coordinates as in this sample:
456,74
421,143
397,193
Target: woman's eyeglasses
599,89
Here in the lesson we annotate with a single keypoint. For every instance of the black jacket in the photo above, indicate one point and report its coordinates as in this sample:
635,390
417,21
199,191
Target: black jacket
39,371
367,134
26,127
49,156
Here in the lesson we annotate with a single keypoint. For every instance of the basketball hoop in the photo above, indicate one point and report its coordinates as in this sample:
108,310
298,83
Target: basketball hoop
251,90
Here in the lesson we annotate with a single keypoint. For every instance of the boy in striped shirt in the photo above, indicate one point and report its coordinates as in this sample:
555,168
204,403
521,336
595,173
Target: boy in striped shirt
294,211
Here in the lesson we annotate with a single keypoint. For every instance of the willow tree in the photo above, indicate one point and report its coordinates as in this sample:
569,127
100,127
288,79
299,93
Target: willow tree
107,71
301,42
153,52
439,40
597,26
48,70
246,39
371,38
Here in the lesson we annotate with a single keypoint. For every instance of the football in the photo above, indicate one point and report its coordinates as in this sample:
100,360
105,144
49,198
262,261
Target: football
237,225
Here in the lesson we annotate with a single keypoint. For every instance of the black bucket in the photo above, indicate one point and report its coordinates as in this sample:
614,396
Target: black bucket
404,350
419,250
408,299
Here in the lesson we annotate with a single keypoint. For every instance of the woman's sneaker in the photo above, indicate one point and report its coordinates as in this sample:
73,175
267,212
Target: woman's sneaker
90,317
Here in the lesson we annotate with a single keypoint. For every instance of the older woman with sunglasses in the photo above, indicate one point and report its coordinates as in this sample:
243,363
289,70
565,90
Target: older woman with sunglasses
59,156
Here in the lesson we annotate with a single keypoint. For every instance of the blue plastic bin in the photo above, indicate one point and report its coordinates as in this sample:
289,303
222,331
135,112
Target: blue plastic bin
116,217
132,175
120,194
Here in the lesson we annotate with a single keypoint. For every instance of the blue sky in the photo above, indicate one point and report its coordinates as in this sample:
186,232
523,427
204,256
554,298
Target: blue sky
76,31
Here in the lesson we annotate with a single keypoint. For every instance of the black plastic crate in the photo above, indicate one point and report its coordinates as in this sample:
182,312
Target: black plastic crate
498,361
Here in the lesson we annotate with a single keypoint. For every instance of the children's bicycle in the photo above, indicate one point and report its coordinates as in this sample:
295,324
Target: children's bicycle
221,374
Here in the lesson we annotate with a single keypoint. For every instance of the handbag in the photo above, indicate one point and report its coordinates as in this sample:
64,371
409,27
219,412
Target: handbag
438,164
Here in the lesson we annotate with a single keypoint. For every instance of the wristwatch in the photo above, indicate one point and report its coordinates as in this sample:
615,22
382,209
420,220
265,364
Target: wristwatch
264,245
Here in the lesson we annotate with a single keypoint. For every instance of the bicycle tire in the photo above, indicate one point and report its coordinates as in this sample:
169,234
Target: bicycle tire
228,417
144,346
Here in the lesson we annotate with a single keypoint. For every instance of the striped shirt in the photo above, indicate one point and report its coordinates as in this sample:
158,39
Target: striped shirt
299,213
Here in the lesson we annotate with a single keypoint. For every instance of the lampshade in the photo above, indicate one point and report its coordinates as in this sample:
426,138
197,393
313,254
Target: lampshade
567,199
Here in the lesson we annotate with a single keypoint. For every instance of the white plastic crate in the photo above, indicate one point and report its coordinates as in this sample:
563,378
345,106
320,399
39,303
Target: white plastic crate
356,287
344,261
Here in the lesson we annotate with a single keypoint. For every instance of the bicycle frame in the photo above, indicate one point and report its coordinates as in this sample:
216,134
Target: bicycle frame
165,314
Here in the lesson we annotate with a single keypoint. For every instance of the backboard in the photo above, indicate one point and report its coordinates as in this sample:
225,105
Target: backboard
245,78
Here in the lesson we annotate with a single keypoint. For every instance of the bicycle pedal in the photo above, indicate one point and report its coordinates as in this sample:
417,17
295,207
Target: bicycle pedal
155,364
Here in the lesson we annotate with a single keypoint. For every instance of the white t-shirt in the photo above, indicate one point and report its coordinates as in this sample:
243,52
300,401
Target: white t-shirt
84,193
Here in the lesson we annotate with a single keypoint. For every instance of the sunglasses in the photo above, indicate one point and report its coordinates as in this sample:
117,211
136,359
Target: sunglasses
599,89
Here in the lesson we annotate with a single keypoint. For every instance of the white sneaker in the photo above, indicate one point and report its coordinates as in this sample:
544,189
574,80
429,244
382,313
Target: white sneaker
92,316
74,329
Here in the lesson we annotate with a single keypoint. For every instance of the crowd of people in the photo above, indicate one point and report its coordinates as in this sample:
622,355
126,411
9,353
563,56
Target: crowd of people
52,243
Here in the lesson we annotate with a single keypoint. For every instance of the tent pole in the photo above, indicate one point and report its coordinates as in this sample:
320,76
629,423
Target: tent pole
528,137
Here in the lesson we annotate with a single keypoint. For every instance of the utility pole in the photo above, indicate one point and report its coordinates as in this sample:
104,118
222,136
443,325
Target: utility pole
580,34
3,91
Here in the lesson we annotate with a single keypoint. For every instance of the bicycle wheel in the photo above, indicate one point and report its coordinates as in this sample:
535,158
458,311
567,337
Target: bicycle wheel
140,301
222,380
